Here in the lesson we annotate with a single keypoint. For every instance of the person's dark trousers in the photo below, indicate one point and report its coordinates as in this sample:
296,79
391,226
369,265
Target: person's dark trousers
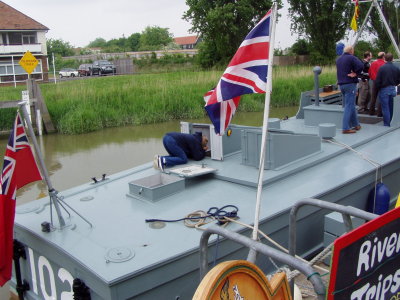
176,155
386,96
364,95
375,104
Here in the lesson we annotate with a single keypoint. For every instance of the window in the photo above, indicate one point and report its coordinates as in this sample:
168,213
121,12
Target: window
29,38
6,69
19,38
15,38
4,39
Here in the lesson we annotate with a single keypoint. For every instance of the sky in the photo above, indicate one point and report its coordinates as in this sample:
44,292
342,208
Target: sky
81,21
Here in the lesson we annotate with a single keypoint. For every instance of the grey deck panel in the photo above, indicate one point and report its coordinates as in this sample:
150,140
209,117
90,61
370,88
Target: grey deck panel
119,220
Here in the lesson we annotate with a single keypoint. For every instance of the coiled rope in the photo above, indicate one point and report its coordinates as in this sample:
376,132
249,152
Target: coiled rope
197,218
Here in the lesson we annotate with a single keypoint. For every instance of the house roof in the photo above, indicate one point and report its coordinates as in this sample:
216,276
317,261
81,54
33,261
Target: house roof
186,40
12,19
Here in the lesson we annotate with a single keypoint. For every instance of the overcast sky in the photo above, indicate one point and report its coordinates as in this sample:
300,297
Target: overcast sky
82,21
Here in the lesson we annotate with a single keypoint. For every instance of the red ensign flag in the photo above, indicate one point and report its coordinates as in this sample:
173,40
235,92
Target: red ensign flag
19,169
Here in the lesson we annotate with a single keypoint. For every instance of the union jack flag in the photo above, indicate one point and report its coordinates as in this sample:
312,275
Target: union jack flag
245,74
19,169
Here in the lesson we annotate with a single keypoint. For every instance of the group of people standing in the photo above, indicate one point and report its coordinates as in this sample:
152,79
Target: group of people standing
376,84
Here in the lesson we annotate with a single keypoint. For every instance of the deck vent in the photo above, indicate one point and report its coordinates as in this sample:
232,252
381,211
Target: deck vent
327,130
274,123
156,187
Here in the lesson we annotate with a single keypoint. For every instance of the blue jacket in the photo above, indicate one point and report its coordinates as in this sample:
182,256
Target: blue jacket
190,144
345,64
388,75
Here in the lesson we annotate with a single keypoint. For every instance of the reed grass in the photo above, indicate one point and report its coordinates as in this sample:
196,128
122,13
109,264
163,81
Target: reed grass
79,106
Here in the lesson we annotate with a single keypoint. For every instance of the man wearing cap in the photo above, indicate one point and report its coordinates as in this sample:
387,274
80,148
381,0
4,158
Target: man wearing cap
348,69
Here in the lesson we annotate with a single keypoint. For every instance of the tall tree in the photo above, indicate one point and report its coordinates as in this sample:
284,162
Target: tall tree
154,38
322,22
223,24
133,41
59,47
98,42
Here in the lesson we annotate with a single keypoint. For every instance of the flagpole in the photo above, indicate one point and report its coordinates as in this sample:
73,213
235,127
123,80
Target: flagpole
252,253
383,19
51,190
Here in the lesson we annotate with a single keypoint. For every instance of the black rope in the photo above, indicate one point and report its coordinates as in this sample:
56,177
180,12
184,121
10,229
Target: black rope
218,213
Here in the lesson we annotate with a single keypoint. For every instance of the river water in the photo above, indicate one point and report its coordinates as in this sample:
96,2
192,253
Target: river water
74,159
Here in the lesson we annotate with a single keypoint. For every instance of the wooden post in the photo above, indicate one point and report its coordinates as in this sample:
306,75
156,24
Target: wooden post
31,90
41,105
38,104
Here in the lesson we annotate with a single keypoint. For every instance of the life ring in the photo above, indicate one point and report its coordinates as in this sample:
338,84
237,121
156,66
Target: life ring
241,280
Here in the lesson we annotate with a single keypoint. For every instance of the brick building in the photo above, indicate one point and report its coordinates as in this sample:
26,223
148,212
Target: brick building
187,42
18,34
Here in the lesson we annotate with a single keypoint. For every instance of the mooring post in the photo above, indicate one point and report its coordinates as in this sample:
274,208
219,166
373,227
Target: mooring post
317,70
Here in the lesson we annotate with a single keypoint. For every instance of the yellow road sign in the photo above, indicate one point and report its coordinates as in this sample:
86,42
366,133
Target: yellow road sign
28,62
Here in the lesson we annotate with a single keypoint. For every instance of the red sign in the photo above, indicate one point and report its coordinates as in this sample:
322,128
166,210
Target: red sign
366,261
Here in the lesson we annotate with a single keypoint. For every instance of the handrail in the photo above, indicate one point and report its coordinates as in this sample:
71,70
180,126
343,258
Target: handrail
285,258
346,212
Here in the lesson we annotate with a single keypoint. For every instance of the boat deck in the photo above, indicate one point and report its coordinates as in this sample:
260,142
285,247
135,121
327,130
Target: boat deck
119,229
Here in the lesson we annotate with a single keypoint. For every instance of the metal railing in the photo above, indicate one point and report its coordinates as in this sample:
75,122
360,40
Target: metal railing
346,211
287,259
280,256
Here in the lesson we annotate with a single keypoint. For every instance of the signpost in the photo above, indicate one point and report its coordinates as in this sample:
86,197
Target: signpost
366,261
28,62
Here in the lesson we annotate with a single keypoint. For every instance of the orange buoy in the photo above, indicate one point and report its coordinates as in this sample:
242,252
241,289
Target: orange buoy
241,280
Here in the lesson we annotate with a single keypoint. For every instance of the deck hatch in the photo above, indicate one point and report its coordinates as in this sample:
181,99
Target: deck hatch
192,170
156,187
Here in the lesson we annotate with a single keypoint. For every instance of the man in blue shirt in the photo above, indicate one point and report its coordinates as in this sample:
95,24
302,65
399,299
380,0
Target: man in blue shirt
180,147
348,69
386,81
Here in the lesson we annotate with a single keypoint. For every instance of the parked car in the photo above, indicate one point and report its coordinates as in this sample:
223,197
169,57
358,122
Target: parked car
101,67
84,69
68,72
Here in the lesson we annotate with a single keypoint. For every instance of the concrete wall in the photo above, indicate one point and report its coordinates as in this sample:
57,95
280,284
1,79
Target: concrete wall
41,39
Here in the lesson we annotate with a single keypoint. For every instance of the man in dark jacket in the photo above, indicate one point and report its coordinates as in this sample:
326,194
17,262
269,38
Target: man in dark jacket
180,147
386,81
349,68
364,93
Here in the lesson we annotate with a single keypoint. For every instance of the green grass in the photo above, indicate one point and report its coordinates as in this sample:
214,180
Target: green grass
79,106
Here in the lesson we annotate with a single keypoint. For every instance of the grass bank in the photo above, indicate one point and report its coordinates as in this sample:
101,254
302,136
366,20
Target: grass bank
79,106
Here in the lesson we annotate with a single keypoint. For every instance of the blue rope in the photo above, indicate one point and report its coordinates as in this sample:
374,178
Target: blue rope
218,213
